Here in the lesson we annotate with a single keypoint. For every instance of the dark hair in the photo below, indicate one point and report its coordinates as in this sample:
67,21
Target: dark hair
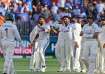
102,18
90,17
41,16
9,17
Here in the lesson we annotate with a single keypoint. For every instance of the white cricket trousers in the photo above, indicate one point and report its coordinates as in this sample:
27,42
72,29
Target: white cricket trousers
63,51
76,56
89,54
102,56
8,47
39,53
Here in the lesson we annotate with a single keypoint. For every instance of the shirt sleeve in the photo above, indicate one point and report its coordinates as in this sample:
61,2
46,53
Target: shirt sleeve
74,33
16,33
56,25
96,28
47,28
33,34
77,31
83,29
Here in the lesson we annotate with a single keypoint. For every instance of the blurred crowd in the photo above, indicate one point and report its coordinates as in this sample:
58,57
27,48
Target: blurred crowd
27,12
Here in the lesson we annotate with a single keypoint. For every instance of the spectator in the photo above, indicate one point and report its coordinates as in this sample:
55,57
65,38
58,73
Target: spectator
45,12
76,11
61,3
54,8
19,7
2,8
46,2
35,2
54,11
36,14
100,7
25,8
69,4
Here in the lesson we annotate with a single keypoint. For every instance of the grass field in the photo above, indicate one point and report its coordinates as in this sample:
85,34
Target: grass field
22,67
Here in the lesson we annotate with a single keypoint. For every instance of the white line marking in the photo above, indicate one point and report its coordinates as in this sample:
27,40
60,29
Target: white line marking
21,70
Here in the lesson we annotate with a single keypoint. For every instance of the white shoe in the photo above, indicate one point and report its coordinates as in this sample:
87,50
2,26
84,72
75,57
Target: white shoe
103,72
97,71
77,70
43,69
61,70
36,70
68,70
84,71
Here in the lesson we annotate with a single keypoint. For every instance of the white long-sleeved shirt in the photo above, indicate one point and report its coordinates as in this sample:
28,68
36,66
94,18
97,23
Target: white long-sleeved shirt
68,31
9,32
88,31
41,30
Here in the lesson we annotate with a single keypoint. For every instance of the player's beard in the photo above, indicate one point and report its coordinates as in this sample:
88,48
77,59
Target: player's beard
66,23
41,23
90,23
103,24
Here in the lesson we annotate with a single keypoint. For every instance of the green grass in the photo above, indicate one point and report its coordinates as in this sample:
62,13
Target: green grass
23,64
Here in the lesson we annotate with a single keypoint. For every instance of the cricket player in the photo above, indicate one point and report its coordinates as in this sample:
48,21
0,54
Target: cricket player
89,35
9,34
76,60
102,46
39,37
65,44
